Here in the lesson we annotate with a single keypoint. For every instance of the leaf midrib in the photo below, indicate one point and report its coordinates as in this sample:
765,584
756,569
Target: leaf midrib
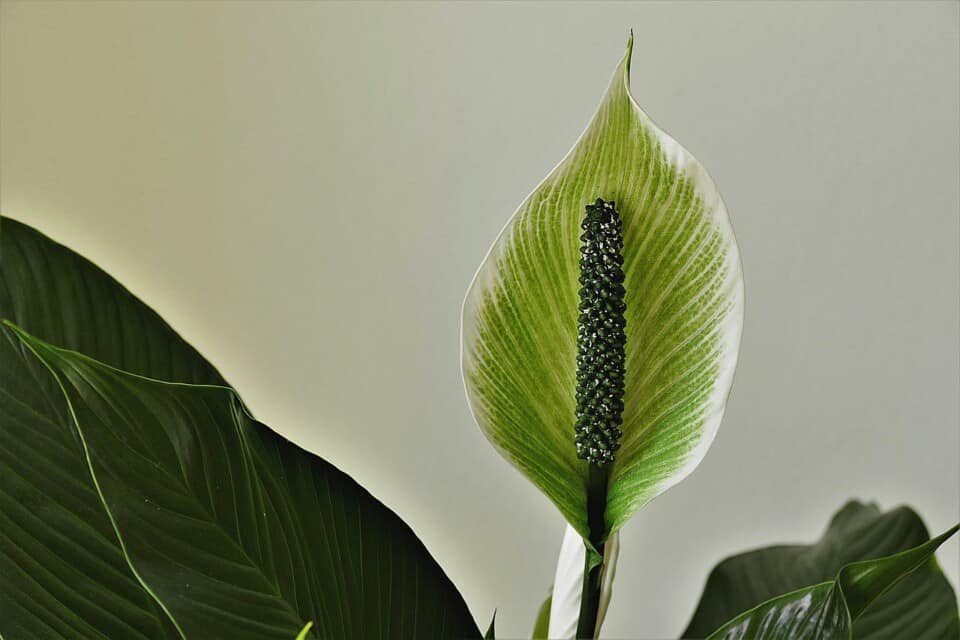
189,494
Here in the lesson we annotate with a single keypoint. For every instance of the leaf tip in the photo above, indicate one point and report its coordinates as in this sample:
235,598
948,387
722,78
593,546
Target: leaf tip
491,633
949,532
22,335
303,632
627,57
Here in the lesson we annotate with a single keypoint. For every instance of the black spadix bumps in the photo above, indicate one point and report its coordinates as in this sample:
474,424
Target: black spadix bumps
600,338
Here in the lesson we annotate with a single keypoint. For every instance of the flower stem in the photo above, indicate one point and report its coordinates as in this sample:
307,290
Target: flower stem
593,560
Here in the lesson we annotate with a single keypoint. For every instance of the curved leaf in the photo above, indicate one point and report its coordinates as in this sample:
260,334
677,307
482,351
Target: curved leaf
237,532
62,571
541,625
923,606
303,632
62,574
828,610
491,633
684,298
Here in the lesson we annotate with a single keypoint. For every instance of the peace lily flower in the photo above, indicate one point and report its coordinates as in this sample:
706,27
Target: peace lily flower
605,424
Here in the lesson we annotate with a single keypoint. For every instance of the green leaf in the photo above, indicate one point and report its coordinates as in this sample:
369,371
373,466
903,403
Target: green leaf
62,574
62,571
542,623
922,607
303,632
491,633
829,610
237,532
684,297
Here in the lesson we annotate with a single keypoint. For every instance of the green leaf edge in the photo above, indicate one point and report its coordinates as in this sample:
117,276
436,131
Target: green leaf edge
491,633
923,552
541,624
36,345
847,577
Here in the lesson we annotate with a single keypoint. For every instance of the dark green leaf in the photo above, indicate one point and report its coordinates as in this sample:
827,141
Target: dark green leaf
491,633
827,611
62,572
922,606
236,531
814,613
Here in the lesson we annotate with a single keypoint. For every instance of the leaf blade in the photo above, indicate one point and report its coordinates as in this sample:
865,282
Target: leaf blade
922,606
541,623
826,611
49,588
62,572
257,570
865,581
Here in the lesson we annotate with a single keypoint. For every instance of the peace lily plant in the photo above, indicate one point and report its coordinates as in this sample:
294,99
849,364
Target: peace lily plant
140,498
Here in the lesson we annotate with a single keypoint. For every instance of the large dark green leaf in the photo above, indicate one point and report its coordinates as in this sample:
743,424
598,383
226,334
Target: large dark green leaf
318,546
828,610
237,532
62,574
922,606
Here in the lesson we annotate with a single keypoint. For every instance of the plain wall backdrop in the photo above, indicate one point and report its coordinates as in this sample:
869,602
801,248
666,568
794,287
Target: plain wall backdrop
305,190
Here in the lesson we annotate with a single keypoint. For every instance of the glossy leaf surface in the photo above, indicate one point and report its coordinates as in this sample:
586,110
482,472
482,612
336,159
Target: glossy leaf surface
63,573
684,303
237,532
827,611
922,606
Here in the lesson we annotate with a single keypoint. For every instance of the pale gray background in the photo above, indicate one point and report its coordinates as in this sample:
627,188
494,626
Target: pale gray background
305,190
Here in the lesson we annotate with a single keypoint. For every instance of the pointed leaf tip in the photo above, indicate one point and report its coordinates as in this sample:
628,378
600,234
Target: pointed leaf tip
491,633
303,632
